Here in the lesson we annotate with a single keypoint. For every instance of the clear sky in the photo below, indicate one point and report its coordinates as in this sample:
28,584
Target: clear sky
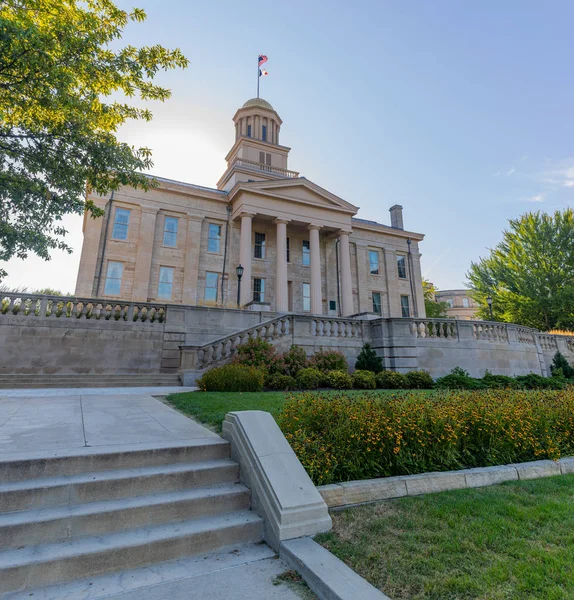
459,111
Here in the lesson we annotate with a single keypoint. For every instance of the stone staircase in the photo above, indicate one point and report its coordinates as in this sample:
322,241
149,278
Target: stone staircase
88,380
94,511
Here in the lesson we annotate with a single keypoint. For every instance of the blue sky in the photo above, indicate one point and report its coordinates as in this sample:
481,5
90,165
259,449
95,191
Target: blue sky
459,111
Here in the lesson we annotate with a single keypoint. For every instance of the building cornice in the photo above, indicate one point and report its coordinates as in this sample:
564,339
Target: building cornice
380,228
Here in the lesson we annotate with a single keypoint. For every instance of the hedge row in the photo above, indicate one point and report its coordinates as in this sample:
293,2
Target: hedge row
341,438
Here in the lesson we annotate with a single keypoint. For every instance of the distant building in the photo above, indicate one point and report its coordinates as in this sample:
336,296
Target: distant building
461,305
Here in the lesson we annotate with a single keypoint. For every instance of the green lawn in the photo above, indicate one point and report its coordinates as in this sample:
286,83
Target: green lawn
513,541
210,408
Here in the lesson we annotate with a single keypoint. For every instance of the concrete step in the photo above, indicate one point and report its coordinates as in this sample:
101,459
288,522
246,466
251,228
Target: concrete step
30,494
47,564
62,523
87,460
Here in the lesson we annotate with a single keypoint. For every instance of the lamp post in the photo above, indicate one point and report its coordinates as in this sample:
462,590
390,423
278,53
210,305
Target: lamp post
489,302
239,271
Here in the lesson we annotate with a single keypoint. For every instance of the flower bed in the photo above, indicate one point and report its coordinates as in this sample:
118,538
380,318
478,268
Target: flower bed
338,438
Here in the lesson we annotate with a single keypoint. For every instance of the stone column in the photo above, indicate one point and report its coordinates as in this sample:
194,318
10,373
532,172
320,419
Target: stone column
140,288
393,294
281,292
346,282
418,284
316,295
245,258
191,264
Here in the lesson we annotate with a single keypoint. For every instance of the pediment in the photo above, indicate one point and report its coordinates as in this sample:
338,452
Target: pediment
298,190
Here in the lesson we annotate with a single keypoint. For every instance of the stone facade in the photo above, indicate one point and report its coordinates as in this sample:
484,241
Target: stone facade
461,304
181,243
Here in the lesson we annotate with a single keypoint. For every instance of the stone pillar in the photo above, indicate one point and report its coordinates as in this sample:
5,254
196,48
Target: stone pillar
245,258
315,247
346,282
393,294
418,285
191,264
281,292
140,288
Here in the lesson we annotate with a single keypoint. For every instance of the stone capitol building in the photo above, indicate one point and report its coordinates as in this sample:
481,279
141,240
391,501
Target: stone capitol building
301,248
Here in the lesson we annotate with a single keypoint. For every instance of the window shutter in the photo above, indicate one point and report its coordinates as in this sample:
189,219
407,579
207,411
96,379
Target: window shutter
262,157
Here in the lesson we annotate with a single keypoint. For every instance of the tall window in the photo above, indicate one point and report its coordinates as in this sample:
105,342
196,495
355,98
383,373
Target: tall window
402,267
121,222
405,307
377,306
211,285
248,130
374,262
259,245
307,296
465,303
258,290
288,250
170,231
165,286
449,302
214,238
265,158
306,253
114,274
264,133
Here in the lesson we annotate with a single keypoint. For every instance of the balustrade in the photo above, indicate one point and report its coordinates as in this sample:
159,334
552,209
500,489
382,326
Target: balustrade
337,328
525,336
40,306
492,332
434,329
548,342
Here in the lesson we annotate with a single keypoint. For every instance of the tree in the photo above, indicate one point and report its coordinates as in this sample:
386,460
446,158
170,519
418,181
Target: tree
530,273
368,360
433,309
58,64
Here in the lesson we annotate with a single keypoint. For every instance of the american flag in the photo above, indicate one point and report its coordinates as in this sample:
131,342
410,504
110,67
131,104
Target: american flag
262,59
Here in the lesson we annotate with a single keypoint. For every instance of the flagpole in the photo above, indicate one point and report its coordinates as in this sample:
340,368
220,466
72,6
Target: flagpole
258,77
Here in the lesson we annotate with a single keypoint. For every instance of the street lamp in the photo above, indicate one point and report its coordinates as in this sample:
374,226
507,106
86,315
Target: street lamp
489,302
239,271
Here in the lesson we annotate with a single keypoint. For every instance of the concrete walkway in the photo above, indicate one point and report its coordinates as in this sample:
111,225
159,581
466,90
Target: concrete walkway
69,421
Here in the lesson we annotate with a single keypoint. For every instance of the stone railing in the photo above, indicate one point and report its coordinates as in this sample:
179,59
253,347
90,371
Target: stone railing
434,328
525,336
341,328
210,354
45,306
492,332
252,164
548,341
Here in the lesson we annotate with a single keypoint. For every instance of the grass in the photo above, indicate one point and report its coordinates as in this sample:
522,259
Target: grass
210,408
513,541
296,584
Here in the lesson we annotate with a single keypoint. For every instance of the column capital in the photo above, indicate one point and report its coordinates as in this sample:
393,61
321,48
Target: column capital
312,226
345,231
194,218
247,213
149,210
281,221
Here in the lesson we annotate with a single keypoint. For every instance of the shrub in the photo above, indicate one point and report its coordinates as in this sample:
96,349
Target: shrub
280,382
533,381
295,360
258,353
391,380
309,378
329,360
340,380
364,380
419,380
368,360
232,378
338,438
499,381
560,362
459,379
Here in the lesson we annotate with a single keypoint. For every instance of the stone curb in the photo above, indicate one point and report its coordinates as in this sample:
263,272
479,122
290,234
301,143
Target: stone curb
328,577
371,490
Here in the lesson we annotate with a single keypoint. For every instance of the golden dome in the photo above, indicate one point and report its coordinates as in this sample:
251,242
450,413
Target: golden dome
258,102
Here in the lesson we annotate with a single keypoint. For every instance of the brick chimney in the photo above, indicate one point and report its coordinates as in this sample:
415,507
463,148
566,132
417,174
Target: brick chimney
396,216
